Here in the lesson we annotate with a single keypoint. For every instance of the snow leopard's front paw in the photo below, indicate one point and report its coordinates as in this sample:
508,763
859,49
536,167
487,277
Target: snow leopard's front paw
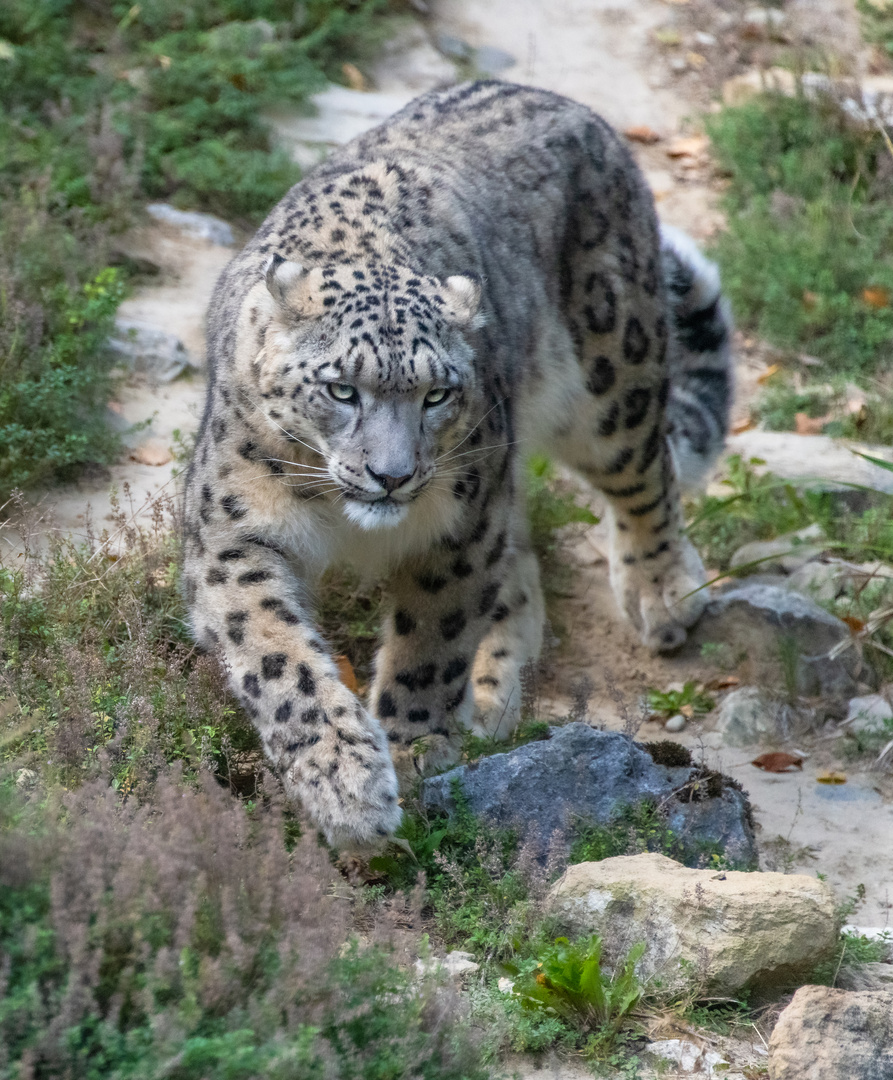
353,798
661,598
425,756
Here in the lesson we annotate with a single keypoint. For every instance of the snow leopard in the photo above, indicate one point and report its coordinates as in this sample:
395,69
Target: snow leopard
480,278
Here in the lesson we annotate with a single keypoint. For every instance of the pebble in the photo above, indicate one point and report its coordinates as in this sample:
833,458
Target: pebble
675,723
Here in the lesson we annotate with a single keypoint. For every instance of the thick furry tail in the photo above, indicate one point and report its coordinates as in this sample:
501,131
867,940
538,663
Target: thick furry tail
700,356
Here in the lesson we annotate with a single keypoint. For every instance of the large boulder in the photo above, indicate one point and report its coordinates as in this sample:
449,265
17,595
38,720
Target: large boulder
787,639
721,932
581,774
827,1034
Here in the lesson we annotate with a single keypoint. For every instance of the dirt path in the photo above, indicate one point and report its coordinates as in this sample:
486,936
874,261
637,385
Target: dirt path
602,53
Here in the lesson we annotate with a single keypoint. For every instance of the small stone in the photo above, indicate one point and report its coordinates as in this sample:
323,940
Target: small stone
675,723
833,1034
870,714
152,452
490,61
688,1056
728,932
505,985
201,226
456,964
25,779
706,41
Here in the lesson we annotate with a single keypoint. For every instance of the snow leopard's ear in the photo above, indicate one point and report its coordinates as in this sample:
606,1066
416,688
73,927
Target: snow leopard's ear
294,289
462,300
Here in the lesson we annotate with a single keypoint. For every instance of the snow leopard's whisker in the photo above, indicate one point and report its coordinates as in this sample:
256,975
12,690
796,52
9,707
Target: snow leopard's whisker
477,425
482,451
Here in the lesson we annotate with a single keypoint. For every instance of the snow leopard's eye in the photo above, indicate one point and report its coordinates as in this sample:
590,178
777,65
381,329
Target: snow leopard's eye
343,392
436,397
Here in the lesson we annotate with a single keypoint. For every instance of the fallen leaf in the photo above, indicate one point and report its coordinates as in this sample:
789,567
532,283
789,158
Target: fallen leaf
354,78
740,426
667,36
810,425
856,625
723,682
689,146
810,299
642,133
152,452
687,711
831,778
876,296
696,60
766,375
164,62
779,762
346,673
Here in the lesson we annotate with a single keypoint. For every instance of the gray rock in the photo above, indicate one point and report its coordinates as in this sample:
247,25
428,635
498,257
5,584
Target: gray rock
868,714
827,1034
784,554
490,61
675,723
787,639
747,716
823,581
201,226
149,351
583,774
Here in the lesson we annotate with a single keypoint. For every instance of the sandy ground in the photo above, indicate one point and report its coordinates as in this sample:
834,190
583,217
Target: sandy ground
600,52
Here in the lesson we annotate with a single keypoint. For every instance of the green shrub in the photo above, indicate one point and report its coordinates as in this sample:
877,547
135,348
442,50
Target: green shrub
810,227
104,106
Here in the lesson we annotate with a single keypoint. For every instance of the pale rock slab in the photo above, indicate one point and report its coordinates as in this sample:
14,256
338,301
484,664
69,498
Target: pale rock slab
827,1034
722,932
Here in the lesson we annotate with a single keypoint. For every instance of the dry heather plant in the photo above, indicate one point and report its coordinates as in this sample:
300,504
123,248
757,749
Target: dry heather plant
153,923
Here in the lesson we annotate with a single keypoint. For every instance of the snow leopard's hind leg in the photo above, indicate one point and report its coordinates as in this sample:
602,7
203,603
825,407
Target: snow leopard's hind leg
618,314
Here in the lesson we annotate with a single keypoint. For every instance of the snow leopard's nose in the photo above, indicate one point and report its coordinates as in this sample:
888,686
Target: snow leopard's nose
388,482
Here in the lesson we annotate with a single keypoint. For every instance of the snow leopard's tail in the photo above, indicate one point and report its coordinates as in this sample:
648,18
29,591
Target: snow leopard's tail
700,356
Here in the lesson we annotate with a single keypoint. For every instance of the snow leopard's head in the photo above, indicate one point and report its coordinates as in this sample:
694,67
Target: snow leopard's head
366,373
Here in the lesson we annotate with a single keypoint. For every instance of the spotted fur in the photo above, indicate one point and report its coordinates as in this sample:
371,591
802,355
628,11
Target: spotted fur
480,277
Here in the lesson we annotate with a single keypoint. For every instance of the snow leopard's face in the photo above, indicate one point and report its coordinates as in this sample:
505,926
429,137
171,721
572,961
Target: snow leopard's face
366,368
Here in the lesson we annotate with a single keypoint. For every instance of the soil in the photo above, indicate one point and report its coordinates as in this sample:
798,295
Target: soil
603,53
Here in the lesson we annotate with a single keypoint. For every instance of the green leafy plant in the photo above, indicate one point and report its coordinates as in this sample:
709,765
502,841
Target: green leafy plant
568,980
689,699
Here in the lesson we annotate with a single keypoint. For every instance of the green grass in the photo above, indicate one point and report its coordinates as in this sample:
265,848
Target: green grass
105,106
810,227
